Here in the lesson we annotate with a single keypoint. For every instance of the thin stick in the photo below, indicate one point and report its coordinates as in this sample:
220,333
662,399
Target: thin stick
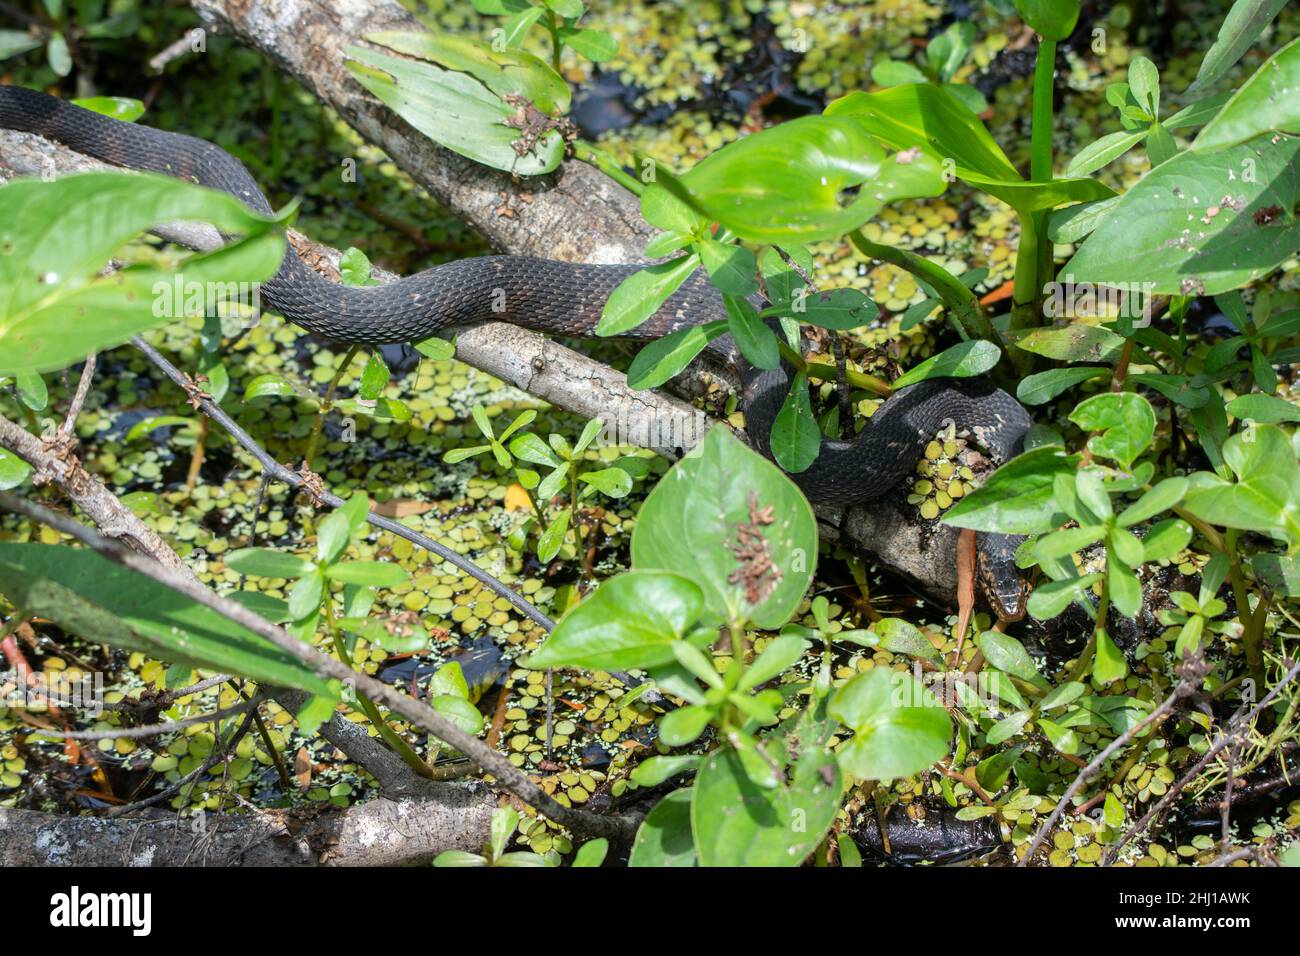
79,399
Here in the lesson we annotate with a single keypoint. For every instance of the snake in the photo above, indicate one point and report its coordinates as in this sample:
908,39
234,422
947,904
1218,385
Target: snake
566,299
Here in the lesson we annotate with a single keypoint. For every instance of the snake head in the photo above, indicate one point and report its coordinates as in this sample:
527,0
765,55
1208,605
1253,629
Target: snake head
1001,582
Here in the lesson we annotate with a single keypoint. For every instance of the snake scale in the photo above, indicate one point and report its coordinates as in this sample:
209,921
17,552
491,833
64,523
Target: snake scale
564,298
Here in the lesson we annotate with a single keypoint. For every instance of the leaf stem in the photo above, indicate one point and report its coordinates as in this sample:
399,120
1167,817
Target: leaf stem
326,404
593,155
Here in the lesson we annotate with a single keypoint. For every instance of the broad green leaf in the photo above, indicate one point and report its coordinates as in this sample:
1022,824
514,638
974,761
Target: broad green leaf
1264,409
91,596
504,72
1109,665
895,73
663,358
1127,423
13,470
1044,386
456,111
796,438
682,726
268,563
55,237
592,853
1019,497
1007,727
1073,223
837,309
640,295
732,268
690,521
901,637
596,45
1159,499
1076,342
1051,19
963,360
776,658
552,539
1050,599
992,772
737,823
630,621
614,482
1165,539
1188,228
660,768
899,728
1266,494
1102,152
664,838
786,183
754,339
1268,102
14,42
118,107
1241,28
459,711
375,574
1007,654
1280,574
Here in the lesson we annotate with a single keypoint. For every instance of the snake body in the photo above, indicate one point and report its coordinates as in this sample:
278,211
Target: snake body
562,298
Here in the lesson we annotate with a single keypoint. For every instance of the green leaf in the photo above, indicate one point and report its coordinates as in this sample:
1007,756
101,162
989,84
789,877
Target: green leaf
375,574
837,309
1241,28
641,294
56,51
664,838
901,637
531,448
658,769
754,339
596,45
14,42
963,360
1050,599
1159,499
1266,103
614,482
1166,539
1007,727
992,772
13,470
374,378
305,595
55,237
732,268
459,711
118,107
435,348
1127,423
1109,665
895,73
89,595
1144,84
899,728
592,853
1187,229
354,268
1019,497
785,184
1278,573
1007,654
268,563
1102,152
1045,386
1051,19
269,384
776,658
795,438
455,110
630,621
552,539
1076,342
689,524
1266,495
1263,409
737,823
1073,223
682,726
663,358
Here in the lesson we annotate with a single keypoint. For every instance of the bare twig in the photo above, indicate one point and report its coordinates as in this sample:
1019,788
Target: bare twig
148,730
79,399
